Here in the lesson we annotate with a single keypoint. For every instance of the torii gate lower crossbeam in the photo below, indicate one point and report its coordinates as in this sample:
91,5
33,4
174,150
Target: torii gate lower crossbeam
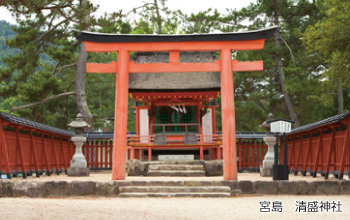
225,43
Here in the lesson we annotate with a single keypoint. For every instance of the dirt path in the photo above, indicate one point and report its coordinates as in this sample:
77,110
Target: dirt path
163,208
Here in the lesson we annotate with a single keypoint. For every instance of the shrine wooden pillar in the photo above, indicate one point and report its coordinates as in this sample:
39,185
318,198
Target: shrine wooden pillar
228,116
121,116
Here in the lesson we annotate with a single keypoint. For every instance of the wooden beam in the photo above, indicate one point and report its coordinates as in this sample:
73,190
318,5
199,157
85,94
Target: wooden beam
121,116
21,155
307,153
345,150
299,154
34,153
247,66
54,153
102,67
228,116
331,148
102,47
174,66
4,150
63,155
174,56
48,166
319,148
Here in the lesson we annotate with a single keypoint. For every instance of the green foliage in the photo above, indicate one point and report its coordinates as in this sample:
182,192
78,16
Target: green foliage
328,41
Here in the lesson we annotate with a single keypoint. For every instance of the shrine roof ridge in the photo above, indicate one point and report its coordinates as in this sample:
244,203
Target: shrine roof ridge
134,38
28,123
324,122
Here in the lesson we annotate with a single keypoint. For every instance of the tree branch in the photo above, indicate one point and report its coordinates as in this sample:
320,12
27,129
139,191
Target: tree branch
290,50
53,28
42,101
69,65
138,8
54,69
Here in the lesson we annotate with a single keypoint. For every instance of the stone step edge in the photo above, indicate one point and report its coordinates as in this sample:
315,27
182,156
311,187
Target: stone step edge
187,194
174,183
174,162
174,189
175,167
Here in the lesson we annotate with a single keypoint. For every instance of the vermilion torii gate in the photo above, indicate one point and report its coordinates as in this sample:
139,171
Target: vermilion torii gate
224,43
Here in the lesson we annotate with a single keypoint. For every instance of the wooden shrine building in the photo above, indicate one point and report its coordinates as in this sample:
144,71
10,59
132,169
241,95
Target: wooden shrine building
172,109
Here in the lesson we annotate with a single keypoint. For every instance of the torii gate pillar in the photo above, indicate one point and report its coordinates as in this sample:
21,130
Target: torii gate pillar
121,116
228,116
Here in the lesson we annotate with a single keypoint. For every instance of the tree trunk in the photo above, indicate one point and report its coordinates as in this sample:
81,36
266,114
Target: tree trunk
340,97
80,71
159,19
280,72
80,94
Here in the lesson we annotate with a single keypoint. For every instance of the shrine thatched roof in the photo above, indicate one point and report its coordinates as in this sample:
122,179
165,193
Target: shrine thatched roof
174,81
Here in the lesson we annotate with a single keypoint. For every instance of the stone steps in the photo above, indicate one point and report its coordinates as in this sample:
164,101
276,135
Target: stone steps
175,195
176,162
174,189
176,168
173,183
183,173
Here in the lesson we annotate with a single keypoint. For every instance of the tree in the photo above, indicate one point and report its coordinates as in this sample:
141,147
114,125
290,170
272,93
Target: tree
328,41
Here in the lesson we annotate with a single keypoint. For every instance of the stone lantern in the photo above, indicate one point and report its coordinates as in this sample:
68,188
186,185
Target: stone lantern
78,165
267,167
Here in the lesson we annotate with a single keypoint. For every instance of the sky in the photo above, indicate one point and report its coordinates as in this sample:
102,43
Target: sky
186,6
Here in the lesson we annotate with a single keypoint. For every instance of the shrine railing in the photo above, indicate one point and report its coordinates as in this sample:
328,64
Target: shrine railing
250,152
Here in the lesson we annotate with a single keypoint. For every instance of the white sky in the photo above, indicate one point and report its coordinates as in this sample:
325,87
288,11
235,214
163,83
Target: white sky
186,6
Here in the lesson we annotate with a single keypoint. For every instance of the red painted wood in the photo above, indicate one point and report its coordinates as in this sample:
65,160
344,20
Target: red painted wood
48,162
149,154
247,66
4,148
201,153
121,108
228,116
319,148
174,46
307,156
63,154
174,66
299,152
240,155
20,153
34,150
174,56
54,153
331,150
345,147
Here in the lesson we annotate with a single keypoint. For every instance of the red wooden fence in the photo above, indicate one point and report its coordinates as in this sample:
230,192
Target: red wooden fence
323,149
98,153
250,154
26,150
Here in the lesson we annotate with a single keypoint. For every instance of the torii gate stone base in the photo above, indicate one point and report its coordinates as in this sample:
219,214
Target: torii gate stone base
224,43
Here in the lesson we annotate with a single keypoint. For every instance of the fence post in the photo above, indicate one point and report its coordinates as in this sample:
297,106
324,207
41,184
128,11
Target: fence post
34,153
331,147
19,148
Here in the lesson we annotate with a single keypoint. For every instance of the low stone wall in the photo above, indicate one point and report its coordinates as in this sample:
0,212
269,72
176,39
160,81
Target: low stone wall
10,188
57,188
290,187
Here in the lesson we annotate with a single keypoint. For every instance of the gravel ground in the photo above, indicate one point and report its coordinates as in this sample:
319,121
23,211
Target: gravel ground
247,207
163,208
